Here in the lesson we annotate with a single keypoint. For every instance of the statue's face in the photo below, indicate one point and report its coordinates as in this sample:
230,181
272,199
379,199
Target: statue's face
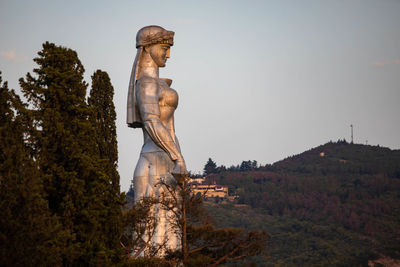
159,53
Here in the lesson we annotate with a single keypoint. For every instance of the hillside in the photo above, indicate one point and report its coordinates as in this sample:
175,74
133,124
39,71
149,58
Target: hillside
336,204
342,157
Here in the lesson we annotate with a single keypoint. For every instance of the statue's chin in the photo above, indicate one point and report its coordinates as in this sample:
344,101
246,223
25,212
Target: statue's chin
161,63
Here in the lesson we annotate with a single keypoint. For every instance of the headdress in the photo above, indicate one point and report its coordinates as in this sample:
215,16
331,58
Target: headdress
154,35
146,36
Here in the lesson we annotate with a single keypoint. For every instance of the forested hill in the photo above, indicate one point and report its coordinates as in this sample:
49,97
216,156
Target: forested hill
336,204
342,157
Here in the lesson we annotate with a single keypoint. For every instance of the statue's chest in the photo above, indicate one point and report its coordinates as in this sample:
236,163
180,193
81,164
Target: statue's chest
168,97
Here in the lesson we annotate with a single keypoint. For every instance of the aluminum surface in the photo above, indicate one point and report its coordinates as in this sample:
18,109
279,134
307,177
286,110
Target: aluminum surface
151,106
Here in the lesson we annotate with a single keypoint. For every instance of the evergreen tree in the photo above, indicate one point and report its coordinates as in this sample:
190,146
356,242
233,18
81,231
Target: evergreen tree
103,118
246,165
210,167
66,151
29,234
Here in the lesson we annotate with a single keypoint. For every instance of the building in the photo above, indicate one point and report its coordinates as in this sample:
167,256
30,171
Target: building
211,190
198,180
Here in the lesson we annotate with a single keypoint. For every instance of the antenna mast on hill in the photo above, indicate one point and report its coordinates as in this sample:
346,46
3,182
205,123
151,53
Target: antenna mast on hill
351,126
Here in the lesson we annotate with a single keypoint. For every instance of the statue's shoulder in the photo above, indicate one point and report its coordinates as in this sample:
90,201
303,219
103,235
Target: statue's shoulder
147,84
147,80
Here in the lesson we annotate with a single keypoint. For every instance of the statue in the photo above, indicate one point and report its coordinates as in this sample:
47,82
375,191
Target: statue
151,106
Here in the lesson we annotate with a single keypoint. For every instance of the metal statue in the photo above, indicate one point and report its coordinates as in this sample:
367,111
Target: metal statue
151,106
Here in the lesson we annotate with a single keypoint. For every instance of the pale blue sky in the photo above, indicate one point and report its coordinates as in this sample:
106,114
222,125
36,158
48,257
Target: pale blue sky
259,80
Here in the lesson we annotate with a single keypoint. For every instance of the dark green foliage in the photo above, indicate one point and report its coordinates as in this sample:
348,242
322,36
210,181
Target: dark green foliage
75,182
210,167
210,246
341,208
297,242
248,165
29,234
103,119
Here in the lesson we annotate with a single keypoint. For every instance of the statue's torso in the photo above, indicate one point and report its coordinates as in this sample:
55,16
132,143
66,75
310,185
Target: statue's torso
168,102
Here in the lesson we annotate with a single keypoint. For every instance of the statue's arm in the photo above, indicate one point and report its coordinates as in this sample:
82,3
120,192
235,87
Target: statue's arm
148,102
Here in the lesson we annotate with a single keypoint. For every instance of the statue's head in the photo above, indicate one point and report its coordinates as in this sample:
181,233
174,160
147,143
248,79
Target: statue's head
153,44
156,41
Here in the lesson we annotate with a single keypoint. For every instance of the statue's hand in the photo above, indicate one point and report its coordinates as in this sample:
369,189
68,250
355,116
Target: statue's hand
179,170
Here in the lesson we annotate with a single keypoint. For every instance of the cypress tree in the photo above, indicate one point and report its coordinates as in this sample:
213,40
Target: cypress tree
29,234
210,167
66,151
103,117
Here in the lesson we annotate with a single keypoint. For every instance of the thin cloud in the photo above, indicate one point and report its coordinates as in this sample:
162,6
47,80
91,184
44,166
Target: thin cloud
12,56
386,63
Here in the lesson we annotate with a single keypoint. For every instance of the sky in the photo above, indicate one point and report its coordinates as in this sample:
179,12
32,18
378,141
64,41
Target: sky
257,80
